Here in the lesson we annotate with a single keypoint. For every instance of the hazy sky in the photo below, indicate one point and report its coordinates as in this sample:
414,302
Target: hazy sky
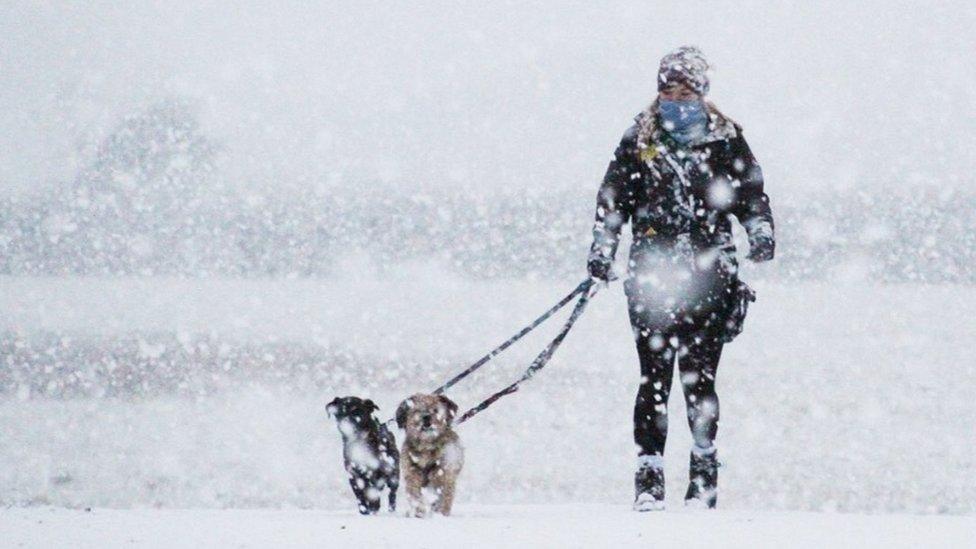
490,95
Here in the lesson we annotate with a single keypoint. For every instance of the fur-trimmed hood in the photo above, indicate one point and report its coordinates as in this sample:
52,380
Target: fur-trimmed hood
720,127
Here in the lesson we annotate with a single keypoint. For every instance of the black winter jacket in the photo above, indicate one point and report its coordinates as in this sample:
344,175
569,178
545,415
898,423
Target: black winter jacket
678,201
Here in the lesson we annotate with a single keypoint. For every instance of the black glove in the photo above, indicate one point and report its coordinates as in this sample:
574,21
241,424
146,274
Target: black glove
600,268
761,248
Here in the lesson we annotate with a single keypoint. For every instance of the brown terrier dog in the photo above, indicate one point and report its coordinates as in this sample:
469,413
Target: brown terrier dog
432,454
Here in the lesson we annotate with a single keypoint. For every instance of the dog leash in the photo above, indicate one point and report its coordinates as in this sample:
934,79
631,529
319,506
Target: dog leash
589,289
581,288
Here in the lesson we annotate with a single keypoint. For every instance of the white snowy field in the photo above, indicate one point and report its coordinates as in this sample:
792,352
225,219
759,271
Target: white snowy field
852,398
476,526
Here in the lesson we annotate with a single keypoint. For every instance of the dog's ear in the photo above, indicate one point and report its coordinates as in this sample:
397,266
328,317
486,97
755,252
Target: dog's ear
452,408
333,407
370,406
402,411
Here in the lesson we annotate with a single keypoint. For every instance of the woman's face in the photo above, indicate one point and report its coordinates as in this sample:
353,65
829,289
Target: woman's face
678,92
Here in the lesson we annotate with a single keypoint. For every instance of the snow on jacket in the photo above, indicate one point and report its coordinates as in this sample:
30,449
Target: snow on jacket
678,201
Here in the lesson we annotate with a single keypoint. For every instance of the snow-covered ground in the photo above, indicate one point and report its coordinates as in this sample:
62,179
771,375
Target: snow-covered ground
853,398
476,526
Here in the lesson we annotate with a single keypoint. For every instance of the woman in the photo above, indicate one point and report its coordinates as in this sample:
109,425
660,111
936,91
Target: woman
678,174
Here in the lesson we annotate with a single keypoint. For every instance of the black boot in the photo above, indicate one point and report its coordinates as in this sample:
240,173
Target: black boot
703,476
649,484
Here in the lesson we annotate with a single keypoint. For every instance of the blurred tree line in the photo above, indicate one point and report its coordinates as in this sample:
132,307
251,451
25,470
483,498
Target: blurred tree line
152,203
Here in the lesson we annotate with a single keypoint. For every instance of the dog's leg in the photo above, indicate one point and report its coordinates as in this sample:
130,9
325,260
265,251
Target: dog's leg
393,479
368,496
447,497
393,484
374,494
445,490
413,478
358,485
445,479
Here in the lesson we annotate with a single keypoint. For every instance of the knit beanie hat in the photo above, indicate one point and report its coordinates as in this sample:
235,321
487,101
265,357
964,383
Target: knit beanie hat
685,65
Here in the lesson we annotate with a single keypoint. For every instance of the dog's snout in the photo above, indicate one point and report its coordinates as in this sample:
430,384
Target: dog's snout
425,420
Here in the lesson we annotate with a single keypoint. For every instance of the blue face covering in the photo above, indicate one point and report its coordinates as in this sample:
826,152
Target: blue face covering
683,120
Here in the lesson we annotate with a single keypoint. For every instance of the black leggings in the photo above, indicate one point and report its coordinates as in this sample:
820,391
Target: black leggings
697,362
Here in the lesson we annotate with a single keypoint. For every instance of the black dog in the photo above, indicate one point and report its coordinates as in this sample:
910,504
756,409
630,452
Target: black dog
370,452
